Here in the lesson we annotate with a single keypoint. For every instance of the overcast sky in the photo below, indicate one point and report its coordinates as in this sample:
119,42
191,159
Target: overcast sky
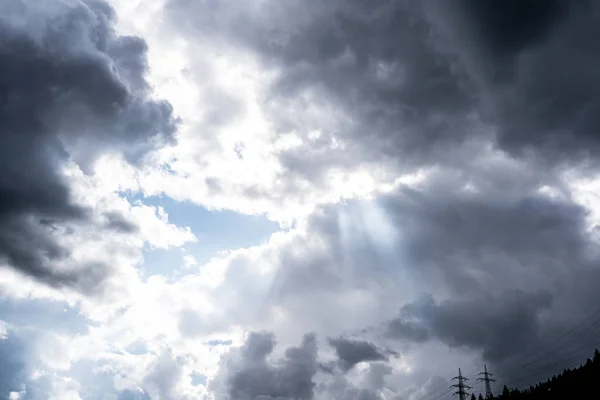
295,199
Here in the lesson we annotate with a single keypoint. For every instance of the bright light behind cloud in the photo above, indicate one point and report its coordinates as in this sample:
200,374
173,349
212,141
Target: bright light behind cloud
243,200
233,162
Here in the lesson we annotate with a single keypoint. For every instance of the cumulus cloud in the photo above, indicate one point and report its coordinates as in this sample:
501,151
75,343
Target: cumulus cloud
164,376
71,88
253,372
31,359
519,263
249,374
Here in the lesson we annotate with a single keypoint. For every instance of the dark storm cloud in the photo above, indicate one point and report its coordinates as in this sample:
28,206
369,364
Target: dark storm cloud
498,326
468,242
351,352
375,61
513,270
70,87
500,262
408,330
30,246
510,26
535,61
414,77
248,374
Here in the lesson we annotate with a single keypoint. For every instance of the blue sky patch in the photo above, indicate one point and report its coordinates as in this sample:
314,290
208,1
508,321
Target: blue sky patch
216,231
54,316
219,342
198,379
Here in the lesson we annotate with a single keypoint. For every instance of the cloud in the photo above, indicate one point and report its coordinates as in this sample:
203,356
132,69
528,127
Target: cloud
510,27
418,147
354,83
163,377
407,330
351,352
499,327
248,374
409,84
71,88
481,242
499,262
133,395
252,372
516,50
30,360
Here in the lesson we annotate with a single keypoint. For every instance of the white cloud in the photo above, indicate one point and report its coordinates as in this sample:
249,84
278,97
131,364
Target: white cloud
189,261
119,249
342,268
16,395
224,297
229,151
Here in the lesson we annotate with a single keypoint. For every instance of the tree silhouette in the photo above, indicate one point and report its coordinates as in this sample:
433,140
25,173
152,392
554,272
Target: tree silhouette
577,383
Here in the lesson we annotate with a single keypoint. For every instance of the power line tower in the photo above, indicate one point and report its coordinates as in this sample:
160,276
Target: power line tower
486,378
461,386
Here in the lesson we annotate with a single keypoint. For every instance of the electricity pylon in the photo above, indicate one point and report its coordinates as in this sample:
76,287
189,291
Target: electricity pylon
461,386
486,378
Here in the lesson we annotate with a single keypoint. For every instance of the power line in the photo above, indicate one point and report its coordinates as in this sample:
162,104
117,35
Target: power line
557,339
590,329
448,390
585,346
436,389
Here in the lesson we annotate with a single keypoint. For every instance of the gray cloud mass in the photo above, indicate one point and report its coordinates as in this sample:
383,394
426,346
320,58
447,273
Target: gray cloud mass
500,327
351,352
492,100
415,77
495,98
252,372
248,374
70,87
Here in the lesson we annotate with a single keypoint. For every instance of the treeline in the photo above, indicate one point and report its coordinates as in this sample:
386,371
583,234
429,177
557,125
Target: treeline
579,383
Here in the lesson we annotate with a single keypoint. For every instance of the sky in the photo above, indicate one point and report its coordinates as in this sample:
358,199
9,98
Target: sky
295,199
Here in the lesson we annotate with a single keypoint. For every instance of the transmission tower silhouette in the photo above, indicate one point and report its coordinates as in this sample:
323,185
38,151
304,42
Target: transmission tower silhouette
486,378
461,386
